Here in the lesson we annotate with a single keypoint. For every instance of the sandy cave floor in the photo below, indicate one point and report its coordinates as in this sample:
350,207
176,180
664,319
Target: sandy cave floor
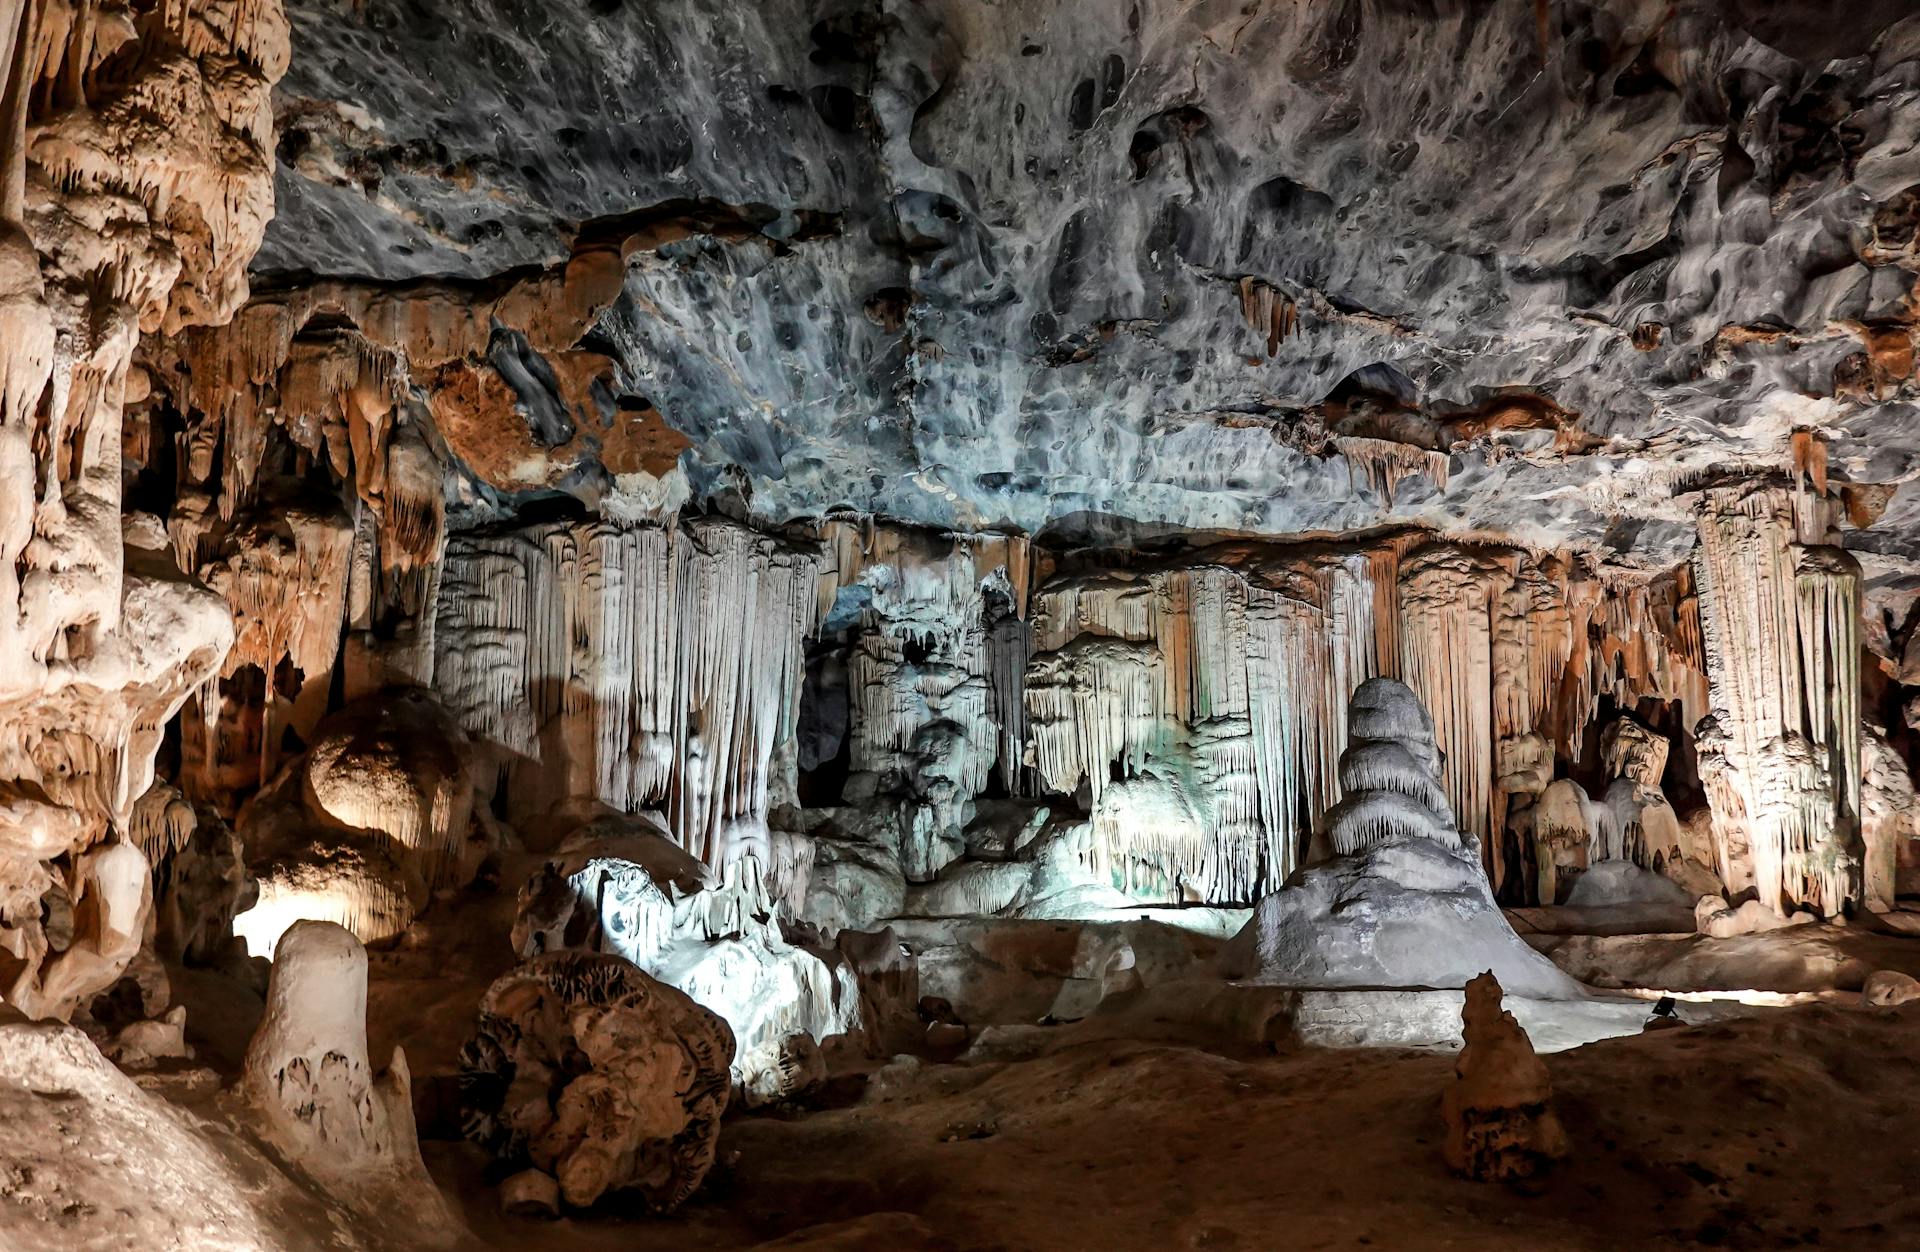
1787,1127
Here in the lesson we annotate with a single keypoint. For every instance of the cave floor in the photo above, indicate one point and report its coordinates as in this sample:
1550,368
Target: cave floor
1788,1128
1779,1127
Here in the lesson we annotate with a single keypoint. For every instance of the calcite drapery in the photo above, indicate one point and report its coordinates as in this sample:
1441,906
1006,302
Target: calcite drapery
639,666
1780,607
1208,685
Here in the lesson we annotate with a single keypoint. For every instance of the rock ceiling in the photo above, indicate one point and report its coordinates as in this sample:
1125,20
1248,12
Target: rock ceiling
1094,269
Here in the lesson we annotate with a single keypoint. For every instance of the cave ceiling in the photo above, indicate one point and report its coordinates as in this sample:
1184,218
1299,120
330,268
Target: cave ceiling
1098,269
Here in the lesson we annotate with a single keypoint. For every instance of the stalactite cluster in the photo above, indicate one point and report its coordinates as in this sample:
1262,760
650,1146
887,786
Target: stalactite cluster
135,182
641,666
1204,690
1780,610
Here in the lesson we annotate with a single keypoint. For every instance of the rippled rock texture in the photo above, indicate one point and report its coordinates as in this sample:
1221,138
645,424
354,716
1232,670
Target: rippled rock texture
1207,265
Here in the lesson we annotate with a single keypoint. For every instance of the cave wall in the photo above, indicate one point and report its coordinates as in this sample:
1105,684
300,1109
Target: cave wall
135,182
1124,383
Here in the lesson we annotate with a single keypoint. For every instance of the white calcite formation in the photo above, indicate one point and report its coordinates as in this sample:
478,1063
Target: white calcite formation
620,885
935,675
1404,901
587,1070
1199,689
1780,612
308,1085
1889,820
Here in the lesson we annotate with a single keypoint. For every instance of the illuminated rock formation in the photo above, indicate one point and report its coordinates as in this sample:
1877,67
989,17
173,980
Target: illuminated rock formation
361,829
1405,901
95,915
934,679
596,1075
1780,607
1498,1108
396,765
619,885
1199,688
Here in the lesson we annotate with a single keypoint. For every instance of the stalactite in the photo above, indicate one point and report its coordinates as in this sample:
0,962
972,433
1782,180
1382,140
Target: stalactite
637,665
286,583
1009,649
1780,609
1295,750
124,204
1383,464
413,518
1092,704
1446,647
1200,689
1272,315
161,823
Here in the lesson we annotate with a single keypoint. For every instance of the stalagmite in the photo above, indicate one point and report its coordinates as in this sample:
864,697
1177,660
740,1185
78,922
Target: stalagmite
1406,903
1387,774
1564,824
307,1081
1498,1108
